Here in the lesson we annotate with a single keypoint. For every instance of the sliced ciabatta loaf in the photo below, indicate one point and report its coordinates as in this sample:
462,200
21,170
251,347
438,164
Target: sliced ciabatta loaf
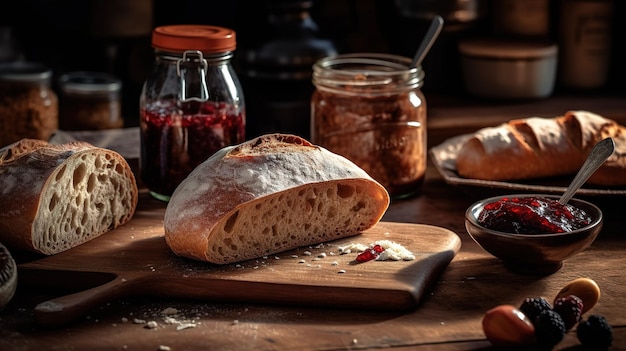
270,194
534,147
55,197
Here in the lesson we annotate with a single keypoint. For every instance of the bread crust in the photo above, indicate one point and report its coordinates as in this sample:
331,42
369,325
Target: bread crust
539,147
81,179
613,171
268,195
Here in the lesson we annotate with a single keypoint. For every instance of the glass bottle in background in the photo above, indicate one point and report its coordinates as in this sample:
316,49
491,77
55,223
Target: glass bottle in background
9,46
370,109
584,43
191,105
29,108
522,18
276,68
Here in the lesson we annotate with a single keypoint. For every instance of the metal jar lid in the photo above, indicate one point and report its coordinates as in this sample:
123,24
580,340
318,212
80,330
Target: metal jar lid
84,82
180,38
24,72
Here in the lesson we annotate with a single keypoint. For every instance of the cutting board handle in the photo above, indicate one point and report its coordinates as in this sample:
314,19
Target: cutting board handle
64,309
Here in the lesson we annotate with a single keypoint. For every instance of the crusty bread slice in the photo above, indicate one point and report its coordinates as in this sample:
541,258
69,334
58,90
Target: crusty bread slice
55,197
267,195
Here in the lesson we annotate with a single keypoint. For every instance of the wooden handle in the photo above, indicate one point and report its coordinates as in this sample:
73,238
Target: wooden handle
67,308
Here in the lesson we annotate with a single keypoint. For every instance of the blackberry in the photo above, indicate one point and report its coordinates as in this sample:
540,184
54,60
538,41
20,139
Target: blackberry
533,306
549,329
570,308
595,333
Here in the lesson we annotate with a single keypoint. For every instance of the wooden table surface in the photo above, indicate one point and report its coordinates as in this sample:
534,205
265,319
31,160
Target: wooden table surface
448,318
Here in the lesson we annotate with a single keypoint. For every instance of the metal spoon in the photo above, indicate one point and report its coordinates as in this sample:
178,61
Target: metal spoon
600,152
427,42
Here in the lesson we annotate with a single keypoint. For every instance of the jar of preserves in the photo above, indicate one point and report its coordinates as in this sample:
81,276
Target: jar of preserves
90,101
370,109
191,105
29,107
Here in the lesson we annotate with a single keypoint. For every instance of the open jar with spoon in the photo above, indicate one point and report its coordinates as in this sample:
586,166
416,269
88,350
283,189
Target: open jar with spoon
370,109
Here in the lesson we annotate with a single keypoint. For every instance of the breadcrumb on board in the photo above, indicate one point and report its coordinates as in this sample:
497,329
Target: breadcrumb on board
393,251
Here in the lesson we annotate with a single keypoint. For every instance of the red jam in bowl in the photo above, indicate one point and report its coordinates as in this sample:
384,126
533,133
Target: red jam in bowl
532,215
176,139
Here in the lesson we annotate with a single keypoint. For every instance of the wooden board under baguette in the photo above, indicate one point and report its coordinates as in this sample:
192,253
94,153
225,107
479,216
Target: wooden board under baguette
539,147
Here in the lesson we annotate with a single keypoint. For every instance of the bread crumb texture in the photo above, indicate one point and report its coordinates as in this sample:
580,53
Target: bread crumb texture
283,221
87,197
64,195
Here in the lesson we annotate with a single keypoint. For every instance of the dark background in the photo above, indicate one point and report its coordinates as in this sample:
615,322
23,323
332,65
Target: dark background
114,35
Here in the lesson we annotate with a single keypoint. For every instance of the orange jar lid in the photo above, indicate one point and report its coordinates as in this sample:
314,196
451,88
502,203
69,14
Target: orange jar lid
179,38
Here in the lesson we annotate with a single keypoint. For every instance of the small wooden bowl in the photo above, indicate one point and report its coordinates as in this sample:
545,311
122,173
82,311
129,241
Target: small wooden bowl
533,253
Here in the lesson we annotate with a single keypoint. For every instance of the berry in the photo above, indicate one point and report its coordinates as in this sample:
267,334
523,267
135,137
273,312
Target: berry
370,254
595,333
570,308
585,288
549,329
533,306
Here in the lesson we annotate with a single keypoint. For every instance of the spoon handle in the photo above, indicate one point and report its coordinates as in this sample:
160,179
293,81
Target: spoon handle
427,42
600,152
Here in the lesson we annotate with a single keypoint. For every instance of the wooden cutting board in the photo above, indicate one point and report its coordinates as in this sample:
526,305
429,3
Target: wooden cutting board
134,260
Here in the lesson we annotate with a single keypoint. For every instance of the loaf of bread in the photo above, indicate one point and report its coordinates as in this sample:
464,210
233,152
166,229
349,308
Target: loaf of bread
55,197
613,171
267,195
539,147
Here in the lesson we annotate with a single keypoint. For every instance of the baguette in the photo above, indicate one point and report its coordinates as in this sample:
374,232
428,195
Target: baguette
267,195
55,197
538,147
613,171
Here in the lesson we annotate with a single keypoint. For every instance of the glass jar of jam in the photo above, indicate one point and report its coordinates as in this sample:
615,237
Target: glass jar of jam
370,109
90,101
191,105
29,108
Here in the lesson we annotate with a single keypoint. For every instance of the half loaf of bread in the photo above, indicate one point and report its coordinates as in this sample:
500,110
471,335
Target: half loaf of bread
267,195
55,197
539,147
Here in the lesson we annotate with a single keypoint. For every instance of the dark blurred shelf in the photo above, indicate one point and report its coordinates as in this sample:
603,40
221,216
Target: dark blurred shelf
456,115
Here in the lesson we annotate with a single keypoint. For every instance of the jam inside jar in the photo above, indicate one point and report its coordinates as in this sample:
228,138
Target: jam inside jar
191,104
174,143
370,109
532,215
